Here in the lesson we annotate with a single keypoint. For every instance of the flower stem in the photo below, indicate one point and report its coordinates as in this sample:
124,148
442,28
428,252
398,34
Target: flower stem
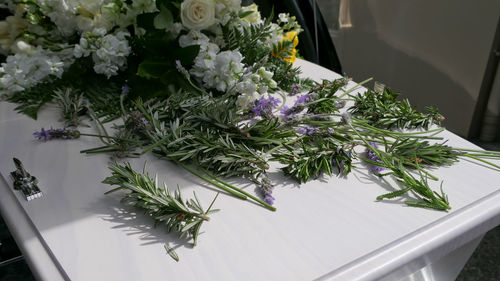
356,87
154,145
108,137
237,189
481,160
239,195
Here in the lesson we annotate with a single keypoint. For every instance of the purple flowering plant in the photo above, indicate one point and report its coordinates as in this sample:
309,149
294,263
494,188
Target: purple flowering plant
264,106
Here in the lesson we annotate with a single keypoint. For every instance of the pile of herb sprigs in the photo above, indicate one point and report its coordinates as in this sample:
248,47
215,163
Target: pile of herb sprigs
211,138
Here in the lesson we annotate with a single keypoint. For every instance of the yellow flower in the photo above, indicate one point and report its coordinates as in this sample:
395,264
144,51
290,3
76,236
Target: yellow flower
289,36
292,35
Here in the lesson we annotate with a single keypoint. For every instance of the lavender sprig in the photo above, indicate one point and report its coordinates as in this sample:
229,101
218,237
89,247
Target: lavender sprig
288,113
46,135
370,154
264,106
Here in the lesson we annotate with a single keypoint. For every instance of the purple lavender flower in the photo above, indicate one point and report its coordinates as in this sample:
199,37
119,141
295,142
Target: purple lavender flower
125,89
56,134
370,154
289,113
267,190
268,198
264,106
340,104
42,135
248,69
303,99
296,88
307,130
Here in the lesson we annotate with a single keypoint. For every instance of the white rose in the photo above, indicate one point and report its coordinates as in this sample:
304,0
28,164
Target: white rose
254,17
198,14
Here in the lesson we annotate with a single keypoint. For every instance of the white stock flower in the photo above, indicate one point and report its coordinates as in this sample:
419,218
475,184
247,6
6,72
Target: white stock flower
282,17
22,47
247,87
62,13
198,14
112,54
175,29
245,100
265,74
228,67
194,37
23,70
109,52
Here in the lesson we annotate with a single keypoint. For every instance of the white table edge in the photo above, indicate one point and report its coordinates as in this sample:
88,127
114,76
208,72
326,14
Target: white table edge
40,260
452,228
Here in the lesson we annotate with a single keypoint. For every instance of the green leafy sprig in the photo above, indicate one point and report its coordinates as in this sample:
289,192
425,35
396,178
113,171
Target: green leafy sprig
386,111
72,106
165,207
326,102
425,197
246,39
313,156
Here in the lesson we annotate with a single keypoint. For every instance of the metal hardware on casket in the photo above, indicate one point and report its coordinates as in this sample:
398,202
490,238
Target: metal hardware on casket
25,182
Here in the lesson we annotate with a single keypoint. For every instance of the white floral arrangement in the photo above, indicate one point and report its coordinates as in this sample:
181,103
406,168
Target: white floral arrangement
44,38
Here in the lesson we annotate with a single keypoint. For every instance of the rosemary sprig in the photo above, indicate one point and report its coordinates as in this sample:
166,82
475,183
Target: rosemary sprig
184,217
312,156
72,106
426,198
386,111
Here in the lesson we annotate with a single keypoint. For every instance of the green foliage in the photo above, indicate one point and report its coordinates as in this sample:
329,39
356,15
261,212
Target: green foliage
102,93
386,111
283,49
165,207
314,156
247,40
425,197
164,19
34,15
326,101
410,151
31,100
71,105
209,139
152,68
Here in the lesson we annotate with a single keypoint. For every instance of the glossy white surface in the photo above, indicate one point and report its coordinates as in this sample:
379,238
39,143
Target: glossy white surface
332,228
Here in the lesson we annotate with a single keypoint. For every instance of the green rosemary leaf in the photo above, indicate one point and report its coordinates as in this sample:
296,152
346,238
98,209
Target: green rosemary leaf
171,252
394,194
